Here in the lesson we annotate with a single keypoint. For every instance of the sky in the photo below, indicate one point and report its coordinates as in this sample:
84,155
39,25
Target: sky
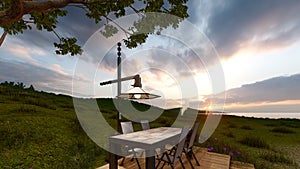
229,55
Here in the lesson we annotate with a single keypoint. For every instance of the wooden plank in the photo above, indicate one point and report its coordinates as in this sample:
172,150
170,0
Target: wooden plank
208,160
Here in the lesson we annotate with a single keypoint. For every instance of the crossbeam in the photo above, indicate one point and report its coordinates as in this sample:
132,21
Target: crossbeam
137,81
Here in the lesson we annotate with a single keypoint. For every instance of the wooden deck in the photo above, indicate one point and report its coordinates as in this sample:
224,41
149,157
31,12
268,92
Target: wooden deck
208,160
240,165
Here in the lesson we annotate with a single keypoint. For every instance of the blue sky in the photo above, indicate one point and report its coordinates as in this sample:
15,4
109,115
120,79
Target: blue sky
257,42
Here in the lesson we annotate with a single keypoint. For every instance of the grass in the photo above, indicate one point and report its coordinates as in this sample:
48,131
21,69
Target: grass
246,127
275,157
255,141
259,145
41,130
228,134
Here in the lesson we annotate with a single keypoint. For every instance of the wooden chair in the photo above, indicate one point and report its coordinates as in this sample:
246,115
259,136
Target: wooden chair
188,150
171,157
127,127
145,124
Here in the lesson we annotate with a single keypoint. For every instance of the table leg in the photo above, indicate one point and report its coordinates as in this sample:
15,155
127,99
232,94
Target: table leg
113,158
150,159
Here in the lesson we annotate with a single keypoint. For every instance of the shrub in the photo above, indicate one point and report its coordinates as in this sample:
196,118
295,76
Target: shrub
228,134
219,146
283,130
165,121
276,158
253,141
246,127
270,125
232,125
293,123
40,102
113,116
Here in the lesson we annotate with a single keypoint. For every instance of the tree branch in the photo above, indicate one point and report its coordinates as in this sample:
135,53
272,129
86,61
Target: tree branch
18,8
80,6
13,13
34,6
57,35
3,37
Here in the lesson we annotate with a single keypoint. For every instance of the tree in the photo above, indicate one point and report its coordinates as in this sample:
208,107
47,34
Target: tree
44,14
31,88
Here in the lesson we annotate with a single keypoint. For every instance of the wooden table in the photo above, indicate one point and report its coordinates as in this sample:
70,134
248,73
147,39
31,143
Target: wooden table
146,139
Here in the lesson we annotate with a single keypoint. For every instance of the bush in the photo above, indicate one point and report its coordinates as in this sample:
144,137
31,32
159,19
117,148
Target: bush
165,121
253,141
40,102
228,134
219,146
246,127
232,125
270,125
283,130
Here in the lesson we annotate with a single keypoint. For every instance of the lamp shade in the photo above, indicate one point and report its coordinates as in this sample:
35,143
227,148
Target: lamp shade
137,93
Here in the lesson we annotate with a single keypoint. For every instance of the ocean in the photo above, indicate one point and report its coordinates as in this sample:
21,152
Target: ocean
270,115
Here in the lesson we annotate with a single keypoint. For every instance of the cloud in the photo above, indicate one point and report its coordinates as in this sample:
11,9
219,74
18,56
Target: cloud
267,92
22,52
75,24
109,62
41,78
34,39
265,24
58,69
173,58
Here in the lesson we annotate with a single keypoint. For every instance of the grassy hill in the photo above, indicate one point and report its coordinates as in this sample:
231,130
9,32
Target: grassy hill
267,143
41,130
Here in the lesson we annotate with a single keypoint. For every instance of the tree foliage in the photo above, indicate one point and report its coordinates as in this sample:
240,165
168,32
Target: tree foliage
18,85
19,15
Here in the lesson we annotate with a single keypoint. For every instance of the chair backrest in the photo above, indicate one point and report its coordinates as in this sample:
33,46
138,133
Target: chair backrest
193,135
180,145
145,124
127,127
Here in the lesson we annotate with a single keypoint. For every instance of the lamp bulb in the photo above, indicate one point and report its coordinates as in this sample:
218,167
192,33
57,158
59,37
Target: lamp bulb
137,96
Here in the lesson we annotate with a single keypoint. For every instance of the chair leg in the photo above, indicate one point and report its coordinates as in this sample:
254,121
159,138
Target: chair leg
159,160
189,160
137,161
122,162
195,158
142,154
157,164
133,156
169,161
181,163
188,156
163,165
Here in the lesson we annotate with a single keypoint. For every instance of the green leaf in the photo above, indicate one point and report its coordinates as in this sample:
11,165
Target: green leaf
109,31
68,45
99,12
